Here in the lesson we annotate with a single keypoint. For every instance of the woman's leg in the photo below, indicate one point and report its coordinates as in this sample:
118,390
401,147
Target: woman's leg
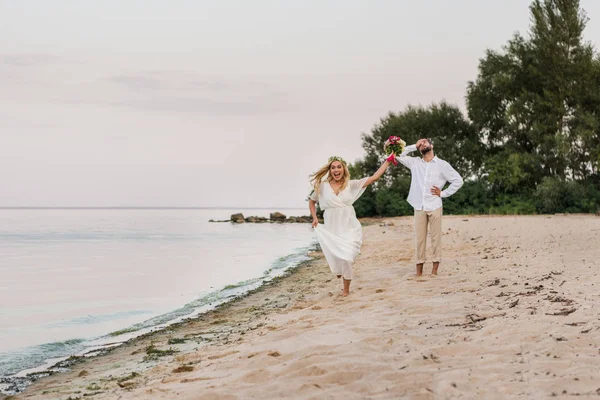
347,277
346,287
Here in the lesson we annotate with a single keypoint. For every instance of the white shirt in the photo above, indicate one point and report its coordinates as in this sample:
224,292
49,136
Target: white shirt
426,175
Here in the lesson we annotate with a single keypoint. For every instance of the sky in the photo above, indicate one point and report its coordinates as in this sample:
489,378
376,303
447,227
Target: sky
222,103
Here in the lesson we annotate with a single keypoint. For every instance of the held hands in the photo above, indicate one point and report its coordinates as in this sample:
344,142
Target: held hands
392,159
436,191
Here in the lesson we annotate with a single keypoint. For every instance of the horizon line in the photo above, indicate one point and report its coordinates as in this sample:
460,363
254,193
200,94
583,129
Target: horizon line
140,208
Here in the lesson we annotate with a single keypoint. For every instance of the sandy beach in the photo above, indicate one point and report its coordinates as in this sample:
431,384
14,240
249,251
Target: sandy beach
513,314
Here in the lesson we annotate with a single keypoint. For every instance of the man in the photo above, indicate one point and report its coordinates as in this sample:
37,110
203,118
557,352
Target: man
429,174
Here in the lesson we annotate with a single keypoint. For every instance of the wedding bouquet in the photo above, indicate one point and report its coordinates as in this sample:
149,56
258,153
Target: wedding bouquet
393,146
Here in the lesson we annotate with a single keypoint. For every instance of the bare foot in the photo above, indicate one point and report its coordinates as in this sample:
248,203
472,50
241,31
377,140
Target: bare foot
433,275
345,294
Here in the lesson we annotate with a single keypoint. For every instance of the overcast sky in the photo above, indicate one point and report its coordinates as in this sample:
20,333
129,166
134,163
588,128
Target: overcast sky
220,103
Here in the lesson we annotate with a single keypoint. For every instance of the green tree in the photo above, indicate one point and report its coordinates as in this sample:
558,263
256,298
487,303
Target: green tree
532,140
539,98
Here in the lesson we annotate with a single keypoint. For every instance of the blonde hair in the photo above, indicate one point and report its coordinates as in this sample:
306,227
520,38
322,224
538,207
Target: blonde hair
323,175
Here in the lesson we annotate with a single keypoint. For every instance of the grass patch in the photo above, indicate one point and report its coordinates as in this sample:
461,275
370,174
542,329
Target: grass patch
177,340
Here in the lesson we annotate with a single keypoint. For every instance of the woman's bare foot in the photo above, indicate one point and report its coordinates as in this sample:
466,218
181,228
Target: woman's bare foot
346,290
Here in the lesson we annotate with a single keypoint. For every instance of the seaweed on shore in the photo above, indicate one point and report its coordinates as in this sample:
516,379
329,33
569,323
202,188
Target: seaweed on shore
152,353
177,341
128,377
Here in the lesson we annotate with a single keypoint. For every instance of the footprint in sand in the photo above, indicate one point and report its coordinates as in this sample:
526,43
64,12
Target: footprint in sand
218,356
342,377
257,376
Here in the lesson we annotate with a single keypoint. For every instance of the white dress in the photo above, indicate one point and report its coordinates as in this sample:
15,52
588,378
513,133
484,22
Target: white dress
341,235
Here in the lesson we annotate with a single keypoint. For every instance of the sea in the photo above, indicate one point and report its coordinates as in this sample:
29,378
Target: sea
75,281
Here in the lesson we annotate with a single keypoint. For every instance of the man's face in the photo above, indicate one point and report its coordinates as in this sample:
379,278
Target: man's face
425,147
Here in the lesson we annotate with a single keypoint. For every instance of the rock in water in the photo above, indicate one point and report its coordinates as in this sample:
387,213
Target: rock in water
277,216
237,218
256,220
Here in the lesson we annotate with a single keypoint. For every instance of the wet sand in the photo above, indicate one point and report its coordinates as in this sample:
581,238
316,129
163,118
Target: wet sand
513,314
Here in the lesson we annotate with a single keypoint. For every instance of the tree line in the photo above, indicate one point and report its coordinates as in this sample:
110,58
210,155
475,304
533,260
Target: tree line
530,142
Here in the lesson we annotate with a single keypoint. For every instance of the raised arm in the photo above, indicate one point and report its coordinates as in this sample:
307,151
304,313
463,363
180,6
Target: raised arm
377,174
404,157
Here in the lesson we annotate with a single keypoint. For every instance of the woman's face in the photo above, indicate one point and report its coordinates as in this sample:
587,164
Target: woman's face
336,170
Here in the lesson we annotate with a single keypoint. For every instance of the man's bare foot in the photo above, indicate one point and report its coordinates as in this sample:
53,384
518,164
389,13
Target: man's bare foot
345,294
434,270
419,271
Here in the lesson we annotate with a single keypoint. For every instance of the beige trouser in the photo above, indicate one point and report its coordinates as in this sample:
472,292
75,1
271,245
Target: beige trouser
433,220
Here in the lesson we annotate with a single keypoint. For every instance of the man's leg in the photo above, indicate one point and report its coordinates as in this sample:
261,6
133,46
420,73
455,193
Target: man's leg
420,239
435,228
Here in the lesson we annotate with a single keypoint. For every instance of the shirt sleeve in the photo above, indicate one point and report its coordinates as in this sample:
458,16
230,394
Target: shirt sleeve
456,181
313,195
404,158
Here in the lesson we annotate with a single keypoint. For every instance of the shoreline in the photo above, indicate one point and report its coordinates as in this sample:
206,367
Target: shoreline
513,300
66,366
50,369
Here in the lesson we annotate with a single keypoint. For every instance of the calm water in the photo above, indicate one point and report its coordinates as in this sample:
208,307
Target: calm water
68,278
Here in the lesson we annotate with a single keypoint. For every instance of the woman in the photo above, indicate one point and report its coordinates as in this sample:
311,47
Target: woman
341,235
